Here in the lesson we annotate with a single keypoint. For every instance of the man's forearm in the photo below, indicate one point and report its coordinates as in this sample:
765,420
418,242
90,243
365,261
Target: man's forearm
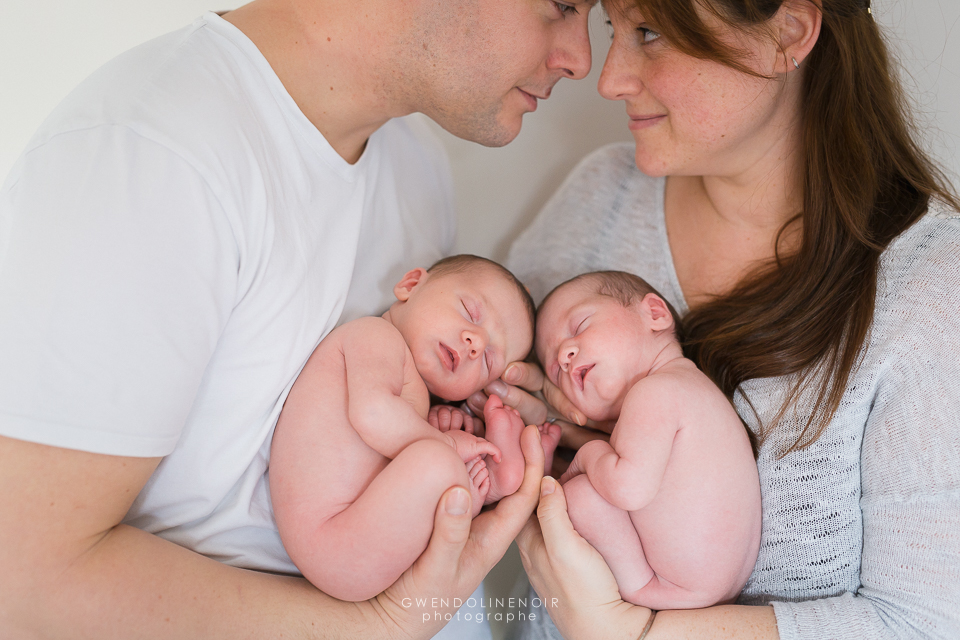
131,583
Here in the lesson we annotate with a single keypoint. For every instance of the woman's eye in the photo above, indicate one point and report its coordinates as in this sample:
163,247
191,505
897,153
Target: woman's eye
565,9
647,35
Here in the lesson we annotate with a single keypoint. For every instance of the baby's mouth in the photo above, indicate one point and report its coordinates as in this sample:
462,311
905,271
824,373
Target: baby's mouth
580,373
451,359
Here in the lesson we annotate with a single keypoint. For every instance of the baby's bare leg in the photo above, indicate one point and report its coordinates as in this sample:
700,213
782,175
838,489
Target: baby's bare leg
364,549
611,532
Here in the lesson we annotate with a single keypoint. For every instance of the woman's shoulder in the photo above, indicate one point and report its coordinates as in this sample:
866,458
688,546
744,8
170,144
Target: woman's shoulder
930,248
919,274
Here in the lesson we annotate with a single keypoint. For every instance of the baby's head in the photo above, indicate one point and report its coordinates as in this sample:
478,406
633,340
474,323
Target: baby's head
464,319
598,334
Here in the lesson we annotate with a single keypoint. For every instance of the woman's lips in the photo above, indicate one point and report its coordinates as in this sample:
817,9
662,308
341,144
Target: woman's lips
449,357
644,122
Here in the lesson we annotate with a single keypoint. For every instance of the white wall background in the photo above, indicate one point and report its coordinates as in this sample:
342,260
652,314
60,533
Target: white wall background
48,46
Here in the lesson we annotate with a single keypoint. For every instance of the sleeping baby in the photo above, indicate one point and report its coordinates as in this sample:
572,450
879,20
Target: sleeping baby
672,502
359,462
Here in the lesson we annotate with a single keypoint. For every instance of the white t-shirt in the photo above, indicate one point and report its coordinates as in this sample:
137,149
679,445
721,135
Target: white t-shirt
174,243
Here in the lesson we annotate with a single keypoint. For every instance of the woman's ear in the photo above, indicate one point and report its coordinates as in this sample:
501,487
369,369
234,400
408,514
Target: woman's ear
797,25
409,282
657,312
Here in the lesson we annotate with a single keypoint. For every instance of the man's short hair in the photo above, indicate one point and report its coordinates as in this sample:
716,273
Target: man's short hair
465,262
625,288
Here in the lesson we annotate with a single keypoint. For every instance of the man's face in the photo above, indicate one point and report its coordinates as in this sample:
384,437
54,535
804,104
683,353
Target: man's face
463,329
479,65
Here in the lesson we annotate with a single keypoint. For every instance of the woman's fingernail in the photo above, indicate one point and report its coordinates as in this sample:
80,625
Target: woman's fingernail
547,486
574,417
512,374
498,388
457,502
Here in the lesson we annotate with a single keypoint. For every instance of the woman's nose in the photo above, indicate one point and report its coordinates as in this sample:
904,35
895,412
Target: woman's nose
619,78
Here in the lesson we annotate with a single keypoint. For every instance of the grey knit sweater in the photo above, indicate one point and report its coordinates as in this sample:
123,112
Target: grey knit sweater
861,531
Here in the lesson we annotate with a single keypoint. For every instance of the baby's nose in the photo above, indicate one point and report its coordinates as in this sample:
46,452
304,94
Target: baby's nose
475,342
566,355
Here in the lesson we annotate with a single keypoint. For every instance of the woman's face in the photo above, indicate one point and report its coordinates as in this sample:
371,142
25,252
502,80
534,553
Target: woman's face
691,116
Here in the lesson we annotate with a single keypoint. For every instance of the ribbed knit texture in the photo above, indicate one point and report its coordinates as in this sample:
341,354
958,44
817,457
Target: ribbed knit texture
861,530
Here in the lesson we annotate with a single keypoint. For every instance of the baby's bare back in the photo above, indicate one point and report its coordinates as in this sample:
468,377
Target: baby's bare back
314,430
703,524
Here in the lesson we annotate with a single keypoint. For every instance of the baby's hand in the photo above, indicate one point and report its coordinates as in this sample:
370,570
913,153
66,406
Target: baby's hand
469,446
447,418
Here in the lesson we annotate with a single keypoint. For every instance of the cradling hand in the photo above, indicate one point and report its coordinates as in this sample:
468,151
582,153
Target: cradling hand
460,553
571,577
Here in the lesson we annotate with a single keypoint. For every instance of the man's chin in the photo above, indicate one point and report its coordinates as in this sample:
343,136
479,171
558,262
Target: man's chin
488,133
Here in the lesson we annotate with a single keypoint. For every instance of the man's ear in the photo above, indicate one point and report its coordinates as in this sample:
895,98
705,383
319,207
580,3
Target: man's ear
797,24
657,312
409,282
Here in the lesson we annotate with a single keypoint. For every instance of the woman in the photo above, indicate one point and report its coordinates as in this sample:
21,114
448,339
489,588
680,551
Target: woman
783,207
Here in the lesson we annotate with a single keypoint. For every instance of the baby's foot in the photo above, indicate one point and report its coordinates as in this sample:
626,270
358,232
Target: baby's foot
549,439
503,428
479,483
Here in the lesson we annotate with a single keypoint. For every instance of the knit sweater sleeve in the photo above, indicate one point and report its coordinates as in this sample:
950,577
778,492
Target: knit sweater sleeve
910,458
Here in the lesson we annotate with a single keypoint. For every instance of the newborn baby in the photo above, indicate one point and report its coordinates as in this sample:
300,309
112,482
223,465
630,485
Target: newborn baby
672,503
356,470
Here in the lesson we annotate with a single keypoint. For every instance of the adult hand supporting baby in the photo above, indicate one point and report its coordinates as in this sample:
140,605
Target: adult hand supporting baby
461,552
564,569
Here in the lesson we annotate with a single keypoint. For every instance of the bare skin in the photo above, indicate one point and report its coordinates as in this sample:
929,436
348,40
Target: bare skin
357,469
672,502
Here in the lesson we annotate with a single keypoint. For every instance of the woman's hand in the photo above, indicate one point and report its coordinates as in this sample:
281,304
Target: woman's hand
461,552
571,577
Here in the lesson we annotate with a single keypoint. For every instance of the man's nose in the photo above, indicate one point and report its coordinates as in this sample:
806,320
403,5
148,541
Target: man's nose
475,341
572,54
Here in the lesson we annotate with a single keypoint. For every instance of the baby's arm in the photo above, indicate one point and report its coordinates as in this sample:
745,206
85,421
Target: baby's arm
628,471
377,369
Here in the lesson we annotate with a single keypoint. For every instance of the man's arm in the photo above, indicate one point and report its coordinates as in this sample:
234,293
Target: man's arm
71,571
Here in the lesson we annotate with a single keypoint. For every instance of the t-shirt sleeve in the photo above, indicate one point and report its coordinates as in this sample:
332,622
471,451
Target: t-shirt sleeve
118,271
910,464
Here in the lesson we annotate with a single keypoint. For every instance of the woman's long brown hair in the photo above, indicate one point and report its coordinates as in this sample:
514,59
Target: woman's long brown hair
865,180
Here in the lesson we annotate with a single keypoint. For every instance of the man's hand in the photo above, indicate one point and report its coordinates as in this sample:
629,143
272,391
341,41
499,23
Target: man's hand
460,552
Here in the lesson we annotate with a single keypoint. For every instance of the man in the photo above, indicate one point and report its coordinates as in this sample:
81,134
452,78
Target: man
174,242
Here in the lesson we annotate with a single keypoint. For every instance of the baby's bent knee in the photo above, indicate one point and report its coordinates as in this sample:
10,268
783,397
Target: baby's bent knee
436,464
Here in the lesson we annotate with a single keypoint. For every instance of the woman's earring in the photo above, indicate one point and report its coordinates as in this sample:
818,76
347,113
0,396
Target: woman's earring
795,63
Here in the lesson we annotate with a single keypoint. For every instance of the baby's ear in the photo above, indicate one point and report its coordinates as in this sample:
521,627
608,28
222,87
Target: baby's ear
409,282
657,312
